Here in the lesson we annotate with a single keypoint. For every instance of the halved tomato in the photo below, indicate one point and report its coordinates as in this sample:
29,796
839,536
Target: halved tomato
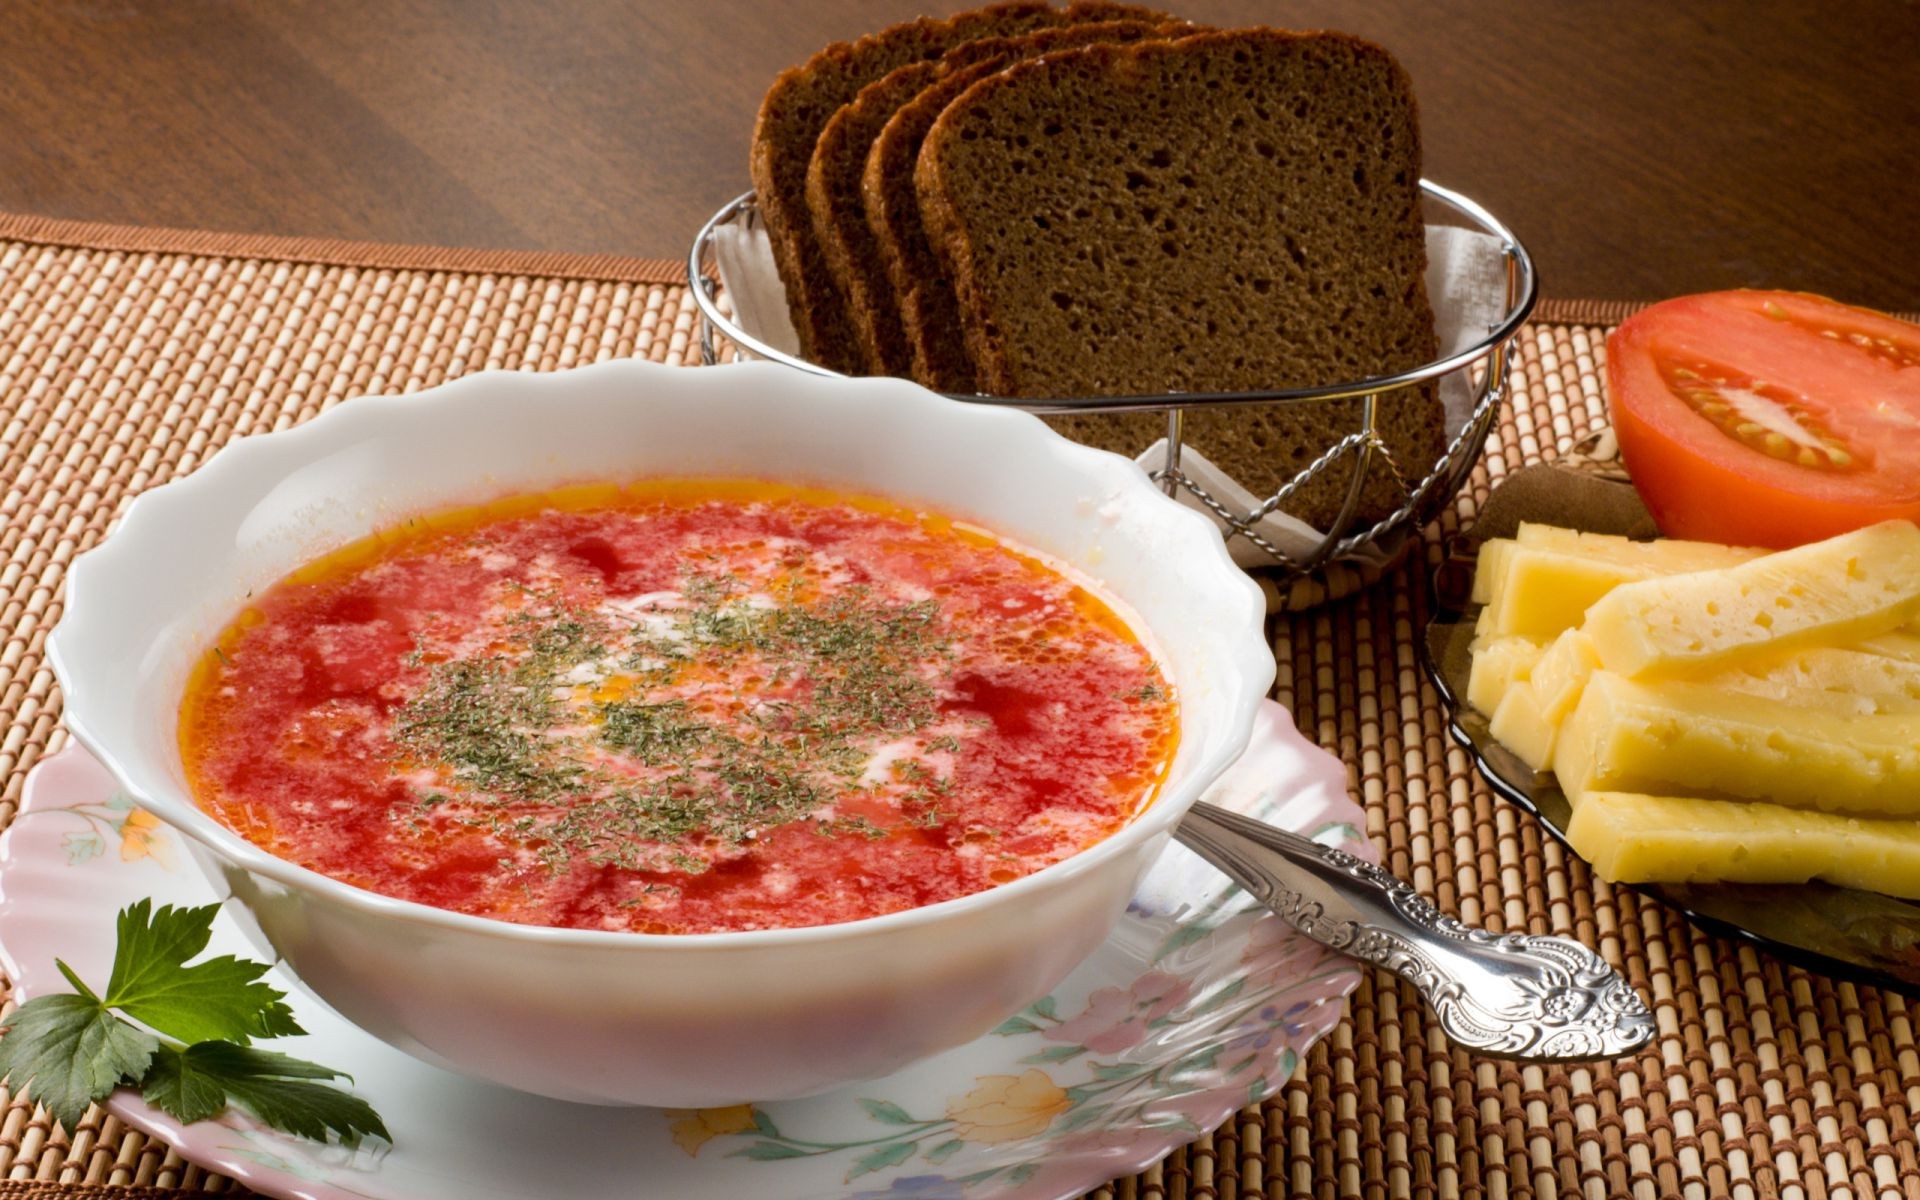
1767,418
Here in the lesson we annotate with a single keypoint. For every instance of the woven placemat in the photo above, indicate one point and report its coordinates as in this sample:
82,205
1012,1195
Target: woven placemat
127,356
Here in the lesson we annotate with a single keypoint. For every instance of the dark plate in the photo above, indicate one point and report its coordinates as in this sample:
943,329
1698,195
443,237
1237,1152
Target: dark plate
1839,932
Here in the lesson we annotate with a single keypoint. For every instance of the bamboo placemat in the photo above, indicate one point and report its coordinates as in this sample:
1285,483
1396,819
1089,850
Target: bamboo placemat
128,355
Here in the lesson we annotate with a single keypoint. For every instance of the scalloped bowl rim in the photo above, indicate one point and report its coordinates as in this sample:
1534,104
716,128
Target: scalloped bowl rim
150,512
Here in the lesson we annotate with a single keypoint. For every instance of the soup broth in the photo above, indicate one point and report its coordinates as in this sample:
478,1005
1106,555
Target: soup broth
680,706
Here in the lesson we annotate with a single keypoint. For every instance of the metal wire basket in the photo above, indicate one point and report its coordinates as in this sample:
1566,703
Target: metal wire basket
1484,363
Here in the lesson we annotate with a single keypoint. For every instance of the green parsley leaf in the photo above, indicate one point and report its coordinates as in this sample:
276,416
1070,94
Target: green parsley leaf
217,1000
70,1051
178,1084
198,1082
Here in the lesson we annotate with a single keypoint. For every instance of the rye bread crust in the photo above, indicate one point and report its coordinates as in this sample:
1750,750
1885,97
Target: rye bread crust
795,111
928,312
840,217
1226,212
929,308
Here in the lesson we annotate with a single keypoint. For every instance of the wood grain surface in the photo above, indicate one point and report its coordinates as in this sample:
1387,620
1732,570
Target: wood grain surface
1640,149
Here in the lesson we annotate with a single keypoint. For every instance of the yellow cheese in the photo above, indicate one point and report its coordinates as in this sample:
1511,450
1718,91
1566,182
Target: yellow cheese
1849,682
1632,838
1852,680
1667,556
1693,738
1846,588
1490,568
1543,583
1543,592
1610,559
1636,560
1519,726
1498,664
1903,644
1562,673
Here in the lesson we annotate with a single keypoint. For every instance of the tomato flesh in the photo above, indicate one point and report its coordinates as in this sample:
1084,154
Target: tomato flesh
1767,418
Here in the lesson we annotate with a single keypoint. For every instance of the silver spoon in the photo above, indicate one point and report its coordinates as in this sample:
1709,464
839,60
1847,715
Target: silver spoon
1515,995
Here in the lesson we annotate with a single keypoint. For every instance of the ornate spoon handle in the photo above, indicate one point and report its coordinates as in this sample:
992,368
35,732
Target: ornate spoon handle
1515,995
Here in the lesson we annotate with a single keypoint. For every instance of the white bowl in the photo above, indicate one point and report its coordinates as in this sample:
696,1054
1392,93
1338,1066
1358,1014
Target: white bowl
621,1018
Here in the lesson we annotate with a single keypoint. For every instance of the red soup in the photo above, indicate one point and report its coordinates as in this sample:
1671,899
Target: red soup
684,706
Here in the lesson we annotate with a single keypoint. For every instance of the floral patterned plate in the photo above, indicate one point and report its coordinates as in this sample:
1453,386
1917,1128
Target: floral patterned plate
1198,1005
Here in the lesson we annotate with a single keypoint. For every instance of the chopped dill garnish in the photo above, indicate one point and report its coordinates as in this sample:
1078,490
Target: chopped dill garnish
481,718
653,733
857,825
924,810
540,757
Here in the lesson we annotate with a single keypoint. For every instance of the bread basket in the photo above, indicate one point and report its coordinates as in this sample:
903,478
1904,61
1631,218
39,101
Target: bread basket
1351,553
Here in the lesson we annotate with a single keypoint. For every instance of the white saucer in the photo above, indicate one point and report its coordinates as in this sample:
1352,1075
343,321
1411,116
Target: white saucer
1198,1005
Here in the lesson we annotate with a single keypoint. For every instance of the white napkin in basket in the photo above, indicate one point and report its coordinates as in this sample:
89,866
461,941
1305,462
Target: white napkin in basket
1466,283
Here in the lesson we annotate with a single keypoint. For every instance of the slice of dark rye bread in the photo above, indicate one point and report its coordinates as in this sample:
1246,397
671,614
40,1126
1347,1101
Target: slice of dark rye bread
840,219
799,105
839,211
1226,212
918,300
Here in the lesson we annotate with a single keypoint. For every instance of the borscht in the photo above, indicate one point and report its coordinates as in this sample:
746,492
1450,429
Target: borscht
678,706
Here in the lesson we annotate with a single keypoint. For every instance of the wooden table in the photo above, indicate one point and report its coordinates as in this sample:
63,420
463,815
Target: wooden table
1640,149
